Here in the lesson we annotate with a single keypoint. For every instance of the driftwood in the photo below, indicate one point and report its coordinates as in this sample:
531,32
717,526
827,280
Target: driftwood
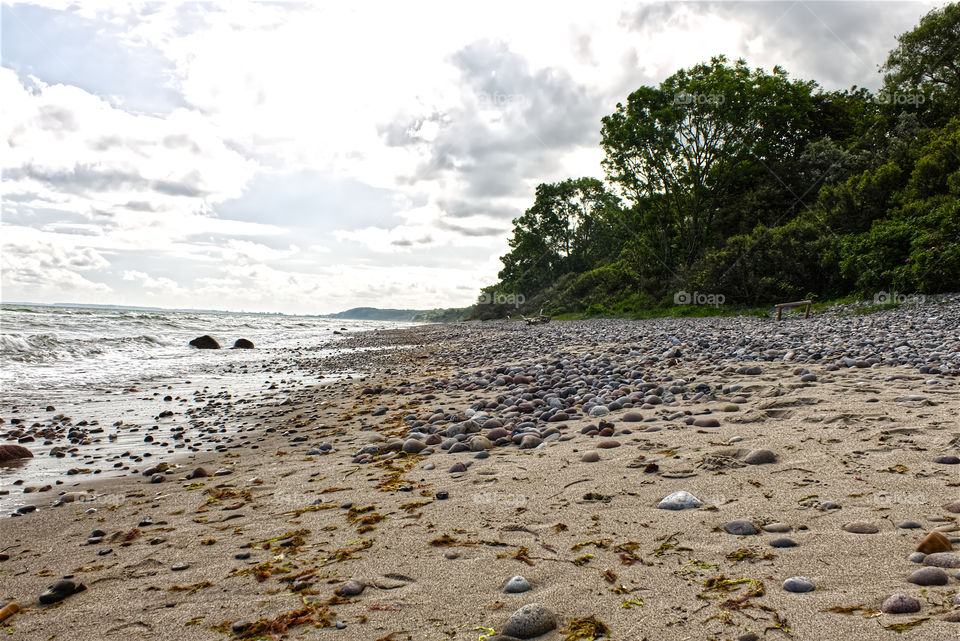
539,319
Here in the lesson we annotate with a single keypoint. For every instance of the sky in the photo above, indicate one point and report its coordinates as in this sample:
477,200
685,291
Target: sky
311,157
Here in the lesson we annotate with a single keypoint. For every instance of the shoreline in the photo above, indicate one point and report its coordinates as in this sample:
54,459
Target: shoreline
314,519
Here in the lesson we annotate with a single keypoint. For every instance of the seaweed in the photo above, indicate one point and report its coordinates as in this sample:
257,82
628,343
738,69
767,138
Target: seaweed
312,613
600,544
196,587
585,629
903,627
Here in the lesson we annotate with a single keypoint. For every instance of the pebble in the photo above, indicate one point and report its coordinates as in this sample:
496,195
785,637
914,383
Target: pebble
777,528
909,525
947,459
928,576
916,557
900,604
442,495
532,620
680,500
934,542
590,456
798,584
942,560
861,527
953,507
632,417
350,588
760,457
413,446
180,567
516,585
783,542
59,591
458,468
608,445
740,528
706,422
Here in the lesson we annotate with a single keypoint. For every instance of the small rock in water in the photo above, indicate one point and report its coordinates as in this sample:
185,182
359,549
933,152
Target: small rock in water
516,584
928,576
861,527
680,500
798,584
900,604
532,620
740,528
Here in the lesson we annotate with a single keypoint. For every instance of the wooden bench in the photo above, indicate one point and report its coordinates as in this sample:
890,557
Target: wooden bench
800,303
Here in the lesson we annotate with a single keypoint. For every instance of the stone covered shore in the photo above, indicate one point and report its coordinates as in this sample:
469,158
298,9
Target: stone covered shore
719,478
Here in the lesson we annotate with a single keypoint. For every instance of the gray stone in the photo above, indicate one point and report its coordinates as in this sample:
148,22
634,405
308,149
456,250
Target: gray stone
413,446
928,576
680,500
783,542
798,584
942,560
760,457
740,528
516,585
917,557
590,456
900,604
530,621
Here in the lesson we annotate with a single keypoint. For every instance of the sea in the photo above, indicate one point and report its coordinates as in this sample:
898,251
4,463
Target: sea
109,365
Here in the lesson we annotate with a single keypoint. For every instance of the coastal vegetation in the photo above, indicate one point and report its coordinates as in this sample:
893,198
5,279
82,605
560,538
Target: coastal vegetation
742,187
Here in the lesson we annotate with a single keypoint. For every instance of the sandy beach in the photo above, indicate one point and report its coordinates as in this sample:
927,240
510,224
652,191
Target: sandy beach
399,505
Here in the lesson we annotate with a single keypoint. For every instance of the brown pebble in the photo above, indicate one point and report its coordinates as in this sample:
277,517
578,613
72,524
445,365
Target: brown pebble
861,527
934,542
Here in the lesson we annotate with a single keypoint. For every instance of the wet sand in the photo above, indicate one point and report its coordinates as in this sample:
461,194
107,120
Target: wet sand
431,537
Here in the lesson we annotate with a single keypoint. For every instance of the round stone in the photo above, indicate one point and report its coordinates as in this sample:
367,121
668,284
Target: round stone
680,500
934,542
760,457
350,588
916,557
608,444
928,576
590,456
861,527
530,621
740,528
632,417
777,528
909,525
798,584
942,560
530,441
953,507
516,585
706,421
900,604
783,542
947,459
413,446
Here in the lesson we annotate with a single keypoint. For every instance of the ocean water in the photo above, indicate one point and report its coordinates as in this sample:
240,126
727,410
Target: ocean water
50,350
112,369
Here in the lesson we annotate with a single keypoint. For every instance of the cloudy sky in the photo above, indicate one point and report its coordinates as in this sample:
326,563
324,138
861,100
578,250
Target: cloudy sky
311,157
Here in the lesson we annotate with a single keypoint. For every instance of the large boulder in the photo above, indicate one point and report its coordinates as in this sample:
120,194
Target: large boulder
243,343
205,342
14,452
